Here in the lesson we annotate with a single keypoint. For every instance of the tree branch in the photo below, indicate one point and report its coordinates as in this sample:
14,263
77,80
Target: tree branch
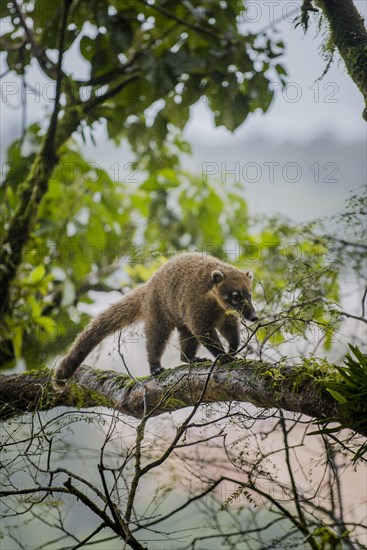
185,22
45,63
293,388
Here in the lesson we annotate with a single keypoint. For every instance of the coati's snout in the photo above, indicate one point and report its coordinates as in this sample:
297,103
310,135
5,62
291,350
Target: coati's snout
235,291
246,308
249,313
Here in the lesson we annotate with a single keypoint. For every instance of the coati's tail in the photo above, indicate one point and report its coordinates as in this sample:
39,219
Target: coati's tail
125,312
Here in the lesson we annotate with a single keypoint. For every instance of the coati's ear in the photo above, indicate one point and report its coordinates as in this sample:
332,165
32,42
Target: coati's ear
250,275
217,276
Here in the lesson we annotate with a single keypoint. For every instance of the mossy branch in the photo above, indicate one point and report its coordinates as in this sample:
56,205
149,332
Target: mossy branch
299,389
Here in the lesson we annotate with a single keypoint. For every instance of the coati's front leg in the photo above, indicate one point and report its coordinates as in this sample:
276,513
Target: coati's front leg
189,345
208,337
230,329
158,330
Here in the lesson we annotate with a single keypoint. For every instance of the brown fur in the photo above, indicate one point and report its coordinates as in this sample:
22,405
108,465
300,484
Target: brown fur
192,293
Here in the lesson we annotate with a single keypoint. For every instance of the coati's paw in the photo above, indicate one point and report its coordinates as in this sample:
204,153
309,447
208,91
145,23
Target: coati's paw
156,370
58,384
225,358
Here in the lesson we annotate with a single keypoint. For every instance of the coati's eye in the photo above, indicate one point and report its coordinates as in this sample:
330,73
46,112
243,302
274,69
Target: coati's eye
235,295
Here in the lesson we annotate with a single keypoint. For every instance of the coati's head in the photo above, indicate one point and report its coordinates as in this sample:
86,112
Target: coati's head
234,289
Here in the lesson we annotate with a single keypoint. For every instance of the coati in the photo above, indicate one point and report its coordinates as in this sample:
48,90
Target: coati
192,292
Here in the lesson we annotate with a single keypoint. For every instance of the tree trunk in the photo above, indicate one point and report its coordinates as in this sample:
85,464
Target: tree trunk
349,35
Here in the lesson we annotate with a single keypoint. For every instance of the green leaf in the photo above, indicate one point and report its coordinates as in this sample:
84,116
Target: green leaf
87,48
337,396
234,109
36,275
96,237
4,9
280,69
17,340
99,53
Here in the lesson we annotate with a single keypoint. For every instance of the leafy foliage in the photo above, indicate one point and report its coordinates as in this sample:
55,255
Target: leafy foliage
351,391
297,285
172,52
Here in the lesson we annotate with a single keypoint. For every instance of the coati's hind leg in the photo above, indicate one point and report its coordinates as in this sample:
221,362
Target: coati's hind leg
189,345
231,331
158,331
